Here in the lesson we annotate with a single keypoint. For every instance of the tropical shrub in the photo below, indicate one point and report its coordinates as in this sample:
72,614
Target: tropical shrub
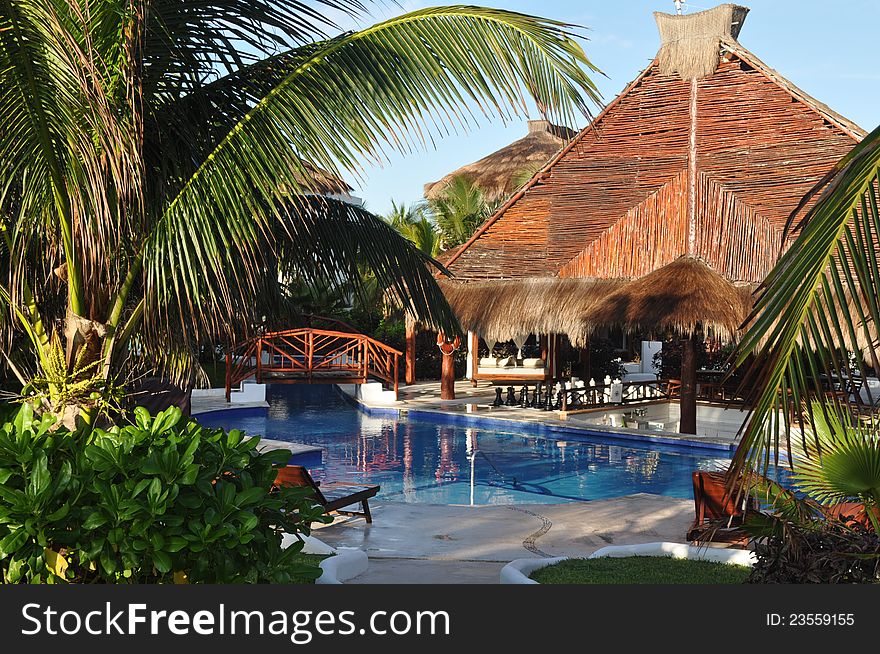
604,360
832,553
161,500
798,540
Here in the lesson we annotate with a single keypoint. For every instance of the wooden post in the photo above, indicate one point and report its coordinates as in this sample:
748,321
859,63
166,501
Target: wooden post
447,377
410,351
310,351
587,370
364,360
259,377
688,400
473,353
396,374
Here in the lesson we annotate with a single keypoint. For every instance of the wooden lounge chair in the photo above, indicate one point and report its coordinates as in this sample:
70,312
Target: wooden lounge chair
333,496
713,503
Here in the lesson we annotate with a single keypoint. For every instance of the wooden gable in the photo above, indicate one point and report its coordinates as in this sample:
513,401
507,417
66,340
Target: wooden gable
709,168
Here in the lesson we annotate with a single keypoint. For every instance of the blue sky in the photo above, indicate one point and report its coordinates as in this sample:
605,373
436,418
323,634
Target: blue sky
828,49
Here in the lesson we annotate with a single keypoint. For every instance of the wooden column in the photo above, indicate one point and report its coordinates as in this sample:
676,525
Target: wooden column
688,401
584,359
447,377
473,354
410,353
553,355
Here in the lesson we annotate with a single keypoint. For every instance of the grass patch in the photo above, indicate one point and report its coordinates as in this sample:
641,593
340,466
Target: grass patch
641,570
311,559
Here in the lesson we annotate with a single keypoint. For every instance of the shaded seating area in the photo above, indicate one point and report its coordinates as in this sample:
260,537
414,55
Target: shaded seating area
333,496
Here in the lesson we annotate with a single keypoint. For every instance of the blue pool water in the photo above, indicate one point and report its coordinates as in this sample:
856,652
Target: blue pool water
429,461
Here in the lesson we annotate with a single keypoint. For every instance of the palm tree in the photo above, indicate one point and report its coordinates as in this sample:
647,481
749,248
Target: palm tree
459,210
159,160
816,323
415,226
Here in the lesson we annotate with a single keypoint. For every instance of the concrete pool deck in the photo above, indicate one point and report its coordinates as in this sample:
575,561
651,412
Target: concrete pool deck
426,543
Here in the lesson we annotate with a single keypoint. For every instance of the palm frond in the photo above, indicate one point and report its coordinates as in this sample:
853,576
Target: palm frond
68,155
815,324
345,100
459,210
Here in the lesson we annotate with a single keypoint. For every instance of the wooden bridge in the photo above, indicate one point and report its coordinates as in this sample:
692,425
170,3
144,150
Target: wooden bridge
312,356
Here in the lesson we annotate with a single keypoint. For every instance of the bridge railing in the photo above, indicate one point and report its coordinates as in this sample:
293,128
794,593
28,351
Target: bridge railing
309,355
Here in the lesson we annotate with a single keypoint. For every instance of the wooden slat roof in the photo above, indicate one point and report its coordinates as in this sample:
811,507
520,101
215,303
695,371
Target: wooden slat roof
614,202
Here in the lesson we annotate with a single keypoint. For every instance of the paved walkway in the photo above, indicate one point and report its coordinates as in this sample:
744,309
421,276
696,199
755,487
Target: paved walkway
424,543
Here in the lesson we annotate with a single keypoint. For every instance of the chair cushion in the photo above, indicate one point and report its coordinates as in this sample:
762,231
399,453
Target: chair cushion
533,363
506,362
488,362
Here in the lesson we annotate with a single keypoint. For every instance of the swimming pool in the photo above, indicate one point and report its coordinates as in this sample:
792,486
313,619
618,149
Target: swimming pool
430,461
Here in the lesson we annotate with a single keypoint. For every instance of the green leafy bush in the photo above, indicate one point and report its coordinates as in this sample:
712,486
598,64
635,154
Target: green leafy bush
163,500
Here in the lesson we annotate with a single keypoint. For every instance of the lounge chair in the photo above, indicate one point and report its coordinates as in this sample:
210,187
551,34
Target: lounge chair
713,503
333,496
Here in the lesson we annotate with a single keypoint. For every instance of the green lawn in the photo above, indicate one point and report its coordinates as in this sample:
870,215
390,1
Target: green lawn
640,570
313,559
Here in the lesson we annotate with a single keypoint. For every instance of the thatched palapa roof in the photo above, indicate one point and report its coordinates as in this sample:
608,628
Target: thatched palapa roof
680,296
322,181
500,310
498,173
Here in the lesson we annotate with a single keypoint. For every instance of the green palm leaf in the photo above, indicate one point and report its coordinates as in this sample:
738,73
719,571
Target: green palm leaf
343,100
815,321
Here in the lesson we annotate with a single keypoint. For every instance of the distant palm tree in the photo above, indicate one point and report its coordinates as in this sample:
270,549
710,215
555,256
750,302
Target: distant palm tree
525,174
159,161
460,208
413,223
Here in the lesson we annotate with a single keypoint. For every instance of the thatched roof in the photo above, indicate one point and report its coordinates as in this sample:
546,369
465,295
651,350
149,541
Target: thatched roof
500,310
323,181
621,199
498,173
690,43
679,296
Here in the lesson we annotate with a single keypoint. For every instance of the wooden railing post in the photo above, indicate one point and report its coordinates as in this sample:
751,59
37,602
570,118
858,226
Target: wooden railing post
310,352
259,361
410,350
396,372
365,359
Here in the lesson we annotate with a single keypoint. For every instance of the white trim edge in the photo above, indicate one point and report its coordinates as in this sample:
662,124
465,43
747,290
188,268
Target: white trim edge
347,563
342,566
679,551
518,571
